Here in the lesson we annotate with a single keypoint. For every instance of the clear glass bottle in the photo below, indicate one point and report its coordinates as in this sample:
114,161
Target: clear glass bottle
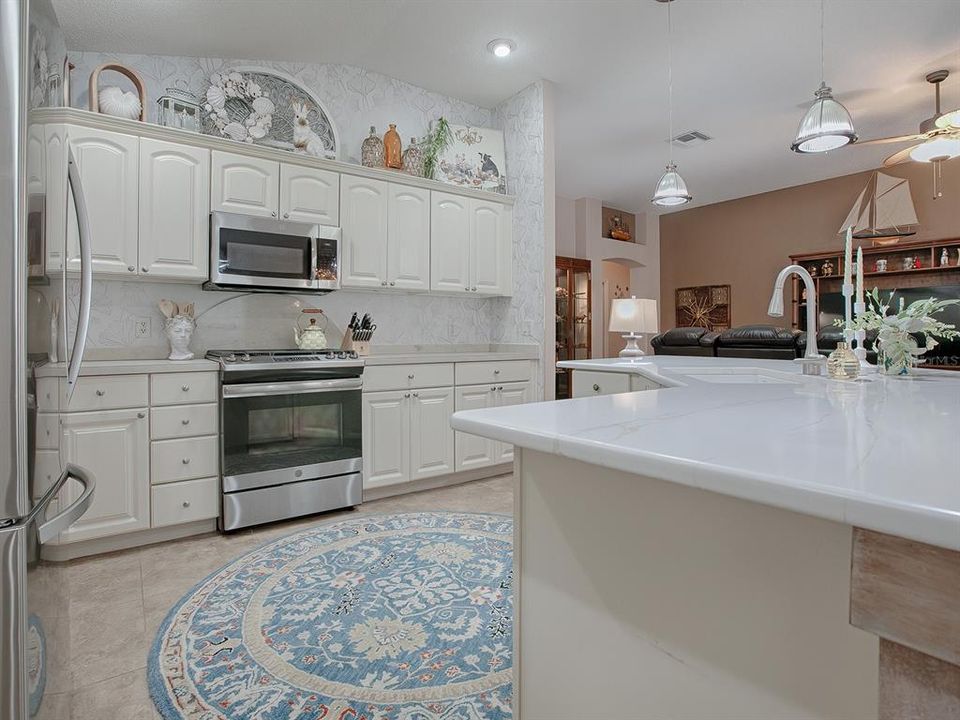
371,151
413,159
842,364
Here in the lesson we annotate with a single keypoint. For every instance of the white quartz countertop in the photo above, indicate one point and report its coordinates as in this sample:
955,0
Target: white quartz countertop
881,453
400,355
128,367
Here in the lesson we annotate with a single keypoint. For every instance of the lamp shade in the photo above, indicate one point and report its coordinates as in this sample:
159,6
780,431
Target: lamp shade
671,189
825,126
633,315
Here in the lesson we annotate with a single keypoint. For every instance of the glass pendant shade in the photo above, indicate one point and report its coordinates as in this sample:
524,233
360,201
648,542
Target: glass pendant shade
826,126
941,148
671,190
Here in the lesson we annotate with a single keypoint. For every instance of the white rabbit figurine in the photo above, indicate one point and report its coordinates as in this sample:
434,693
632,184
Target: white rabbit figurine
304,138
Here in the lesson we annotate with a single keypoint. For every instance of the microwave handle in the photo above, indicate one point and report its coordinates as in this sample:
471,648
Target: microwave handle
314,257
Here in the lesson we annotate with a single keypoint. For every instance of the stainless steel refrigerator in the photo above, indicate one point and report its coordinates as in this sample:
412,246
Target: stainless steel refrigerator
34,619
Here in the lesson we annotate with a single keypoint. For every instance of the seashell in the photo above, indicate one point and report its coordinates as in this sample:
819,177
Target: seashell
264,106
116,102
257,132
235,131
235,77
216,78
216,97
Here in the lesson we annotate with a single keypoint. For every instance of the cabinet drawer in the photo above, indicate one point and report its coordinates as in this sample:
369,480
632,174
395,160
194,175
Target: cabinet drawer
105,392
48,431
403,377
173,460
48,394
185,502
46,471
587,383
183,388
477,373
180,421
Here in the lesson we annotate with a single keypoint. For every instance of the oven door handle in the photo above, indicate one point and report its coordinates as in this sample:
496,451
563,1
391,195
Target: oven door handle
290,388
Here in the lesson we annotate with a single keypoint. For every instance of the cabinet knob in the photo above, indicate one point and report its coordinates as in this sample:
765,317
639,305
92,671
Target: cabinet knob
383,283
493,388
186,461
496,371
273,213
416,394
392,283
596,388
100,393
406,395
186,503
286,215
473,289
185,388
185,421
141,415
467,288
143,269
500,388
410,376
131,268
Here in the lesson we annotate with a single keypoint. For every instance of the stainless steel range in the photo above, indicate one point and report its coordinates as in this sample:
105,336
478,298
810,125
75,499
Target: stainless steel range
290,433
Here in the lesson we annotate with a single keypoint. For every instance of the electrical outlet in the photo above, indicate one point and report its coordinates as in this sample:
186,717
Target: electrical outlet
141,328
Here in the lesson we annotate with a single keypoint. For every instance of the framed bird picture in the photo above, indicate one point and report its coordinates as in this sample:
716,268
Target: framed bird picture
475,158
706,306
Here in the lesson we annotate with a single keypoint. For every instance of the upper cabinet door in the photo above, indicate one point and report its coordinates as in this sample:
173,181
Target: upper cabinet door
246,185
449,243
55,181
408,238
174,210
363,222
490,248
36,170
309,195
108,164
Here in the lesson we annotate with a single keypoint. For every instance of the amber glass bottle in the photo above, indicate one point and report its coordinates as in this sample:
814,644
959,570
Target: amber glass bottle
391,148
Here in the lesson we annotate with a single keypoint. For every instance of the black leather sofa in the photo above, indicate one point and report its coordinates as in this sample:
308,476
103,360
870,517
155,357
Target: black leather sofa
685,341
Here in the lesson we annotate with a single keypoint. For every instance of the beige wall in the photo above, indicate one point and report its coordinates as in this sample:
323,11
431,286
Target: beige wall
745,242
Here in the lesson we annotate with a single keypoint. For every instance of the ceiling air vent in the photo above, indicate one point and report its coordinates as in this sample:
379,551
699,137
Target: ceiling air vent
691,138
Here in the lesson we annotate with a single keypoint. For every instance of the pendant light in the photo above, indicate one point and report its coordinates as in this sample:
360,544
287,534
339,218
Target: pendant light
827,124
671,190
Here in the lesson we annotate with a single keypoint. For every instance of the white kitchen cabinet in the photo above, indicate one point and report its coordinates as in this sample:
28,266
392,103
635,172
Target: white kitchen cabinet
108,166
517,393
491,249
309,195
473,451
431,437
246,185
363,222
174,210
386,438
449,243
408,238
36,162
587,383
114,446
470,245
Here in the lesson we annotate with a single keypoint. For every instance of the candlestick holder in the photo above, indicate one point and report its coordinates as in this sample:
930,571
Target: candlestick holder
848,333
860,336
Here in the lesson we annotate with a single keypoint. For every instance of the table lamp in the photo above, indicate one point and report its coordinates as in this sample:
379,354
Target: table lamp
633,317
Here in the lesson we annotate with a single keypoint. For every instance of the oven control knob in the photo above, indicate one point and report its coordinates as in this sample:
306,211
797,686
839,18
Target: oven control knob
245,357
230,358
298,473
342,355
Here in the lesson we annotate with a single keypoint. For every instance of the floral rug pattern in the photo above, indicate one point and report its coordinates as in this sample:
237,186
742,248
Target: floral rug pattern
394,617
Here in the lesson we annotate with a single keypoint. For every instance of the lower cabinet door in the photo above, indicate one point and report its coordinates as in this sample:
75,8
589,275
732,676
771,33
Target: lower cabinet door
431,437
114,445
516,393
386,438
473,451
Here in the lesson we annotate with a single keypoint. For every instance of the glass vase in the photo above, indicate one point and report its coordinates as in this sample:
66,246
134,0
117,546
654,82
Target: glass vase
413,159
371,151
843,364
897,353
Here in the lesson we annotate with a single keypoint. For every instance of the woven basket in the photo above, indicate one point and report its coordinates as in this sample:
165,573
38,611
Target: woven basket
123,70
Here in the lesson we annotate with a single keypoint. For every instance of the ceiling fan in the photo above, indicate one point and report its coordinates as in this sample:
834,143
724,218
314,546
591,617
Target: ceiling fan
939,136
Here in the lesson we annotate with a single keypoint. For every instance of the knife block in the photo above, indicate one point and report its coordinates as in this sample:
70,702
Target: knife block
361,348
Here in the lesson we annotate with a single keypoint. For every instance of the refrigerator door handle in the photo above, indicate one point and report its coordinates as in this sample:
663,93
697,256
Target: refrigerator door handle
49,529
86,272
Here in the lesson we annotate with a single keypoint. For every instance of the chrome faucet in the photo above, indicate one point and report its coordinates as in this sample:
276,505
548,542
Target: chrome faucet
812,360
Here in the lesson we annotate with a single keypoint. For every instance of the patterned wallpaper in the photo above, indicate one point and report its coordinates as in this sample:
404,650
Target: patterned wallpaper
354,99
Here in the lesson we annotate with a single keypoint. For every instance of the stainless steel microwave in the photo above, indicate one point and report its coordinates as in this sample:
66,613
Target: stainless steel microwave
253,253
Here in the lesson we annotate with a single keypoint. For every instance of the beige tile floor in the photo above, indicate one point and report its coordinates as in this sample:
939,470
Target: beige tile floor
118,601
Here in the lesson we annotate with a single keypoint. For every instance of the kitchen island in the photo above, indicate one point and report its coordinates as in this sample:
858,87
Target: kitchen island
732,543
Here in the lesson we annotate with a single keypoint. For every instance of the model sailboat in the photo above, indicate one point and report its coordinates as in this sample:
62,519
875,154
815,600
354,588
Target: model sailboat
883,212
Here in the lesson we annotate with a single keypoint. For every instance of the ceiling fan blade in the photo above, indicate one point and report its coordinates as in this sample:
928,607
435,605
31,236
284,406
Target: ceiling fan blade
899,157
897,139
949,119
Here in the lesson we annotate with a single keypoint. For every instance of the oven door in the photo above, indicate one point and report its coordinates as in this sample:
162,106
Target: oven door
275,433
262,252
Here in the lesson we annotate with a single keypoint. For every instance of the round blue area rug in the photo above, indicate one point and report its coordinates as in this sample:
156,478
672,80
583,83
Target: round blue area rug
391,617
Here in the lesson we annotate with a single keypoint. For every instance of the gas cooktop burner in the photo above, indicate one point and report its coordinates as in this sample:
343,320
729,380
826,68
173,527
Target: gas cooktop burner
245,358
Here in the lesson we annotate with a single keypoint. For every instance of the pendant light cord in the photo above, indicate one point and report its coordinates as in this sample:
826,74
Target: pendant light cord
821,42
670,78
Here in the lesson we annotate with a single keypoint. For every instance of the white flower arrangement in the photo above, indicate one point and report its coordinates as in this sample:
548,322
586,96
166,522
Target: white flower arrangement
227,86
897,347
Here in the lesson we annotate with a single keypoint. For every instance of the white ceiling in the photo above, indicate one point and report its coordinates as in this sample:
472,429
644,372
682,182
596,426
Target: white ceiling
744,70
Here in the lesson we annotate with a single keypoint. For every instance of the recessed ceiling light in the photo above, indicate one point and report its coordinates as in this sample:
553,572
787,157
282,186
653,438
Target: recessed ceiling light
501,47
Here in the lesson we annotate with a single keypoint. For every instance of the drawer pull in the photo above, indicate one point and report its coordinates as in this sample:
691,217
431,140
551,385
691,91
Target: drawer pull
596,388
186,503
416,394
100,393
185,388
186,461
406,395
493,388
131,268
141,415
496,372
410,376
185,421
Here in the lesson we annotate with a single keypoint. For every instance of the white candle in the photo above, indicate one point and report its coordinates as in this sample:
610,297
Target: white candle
848,258
901,304
859,275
